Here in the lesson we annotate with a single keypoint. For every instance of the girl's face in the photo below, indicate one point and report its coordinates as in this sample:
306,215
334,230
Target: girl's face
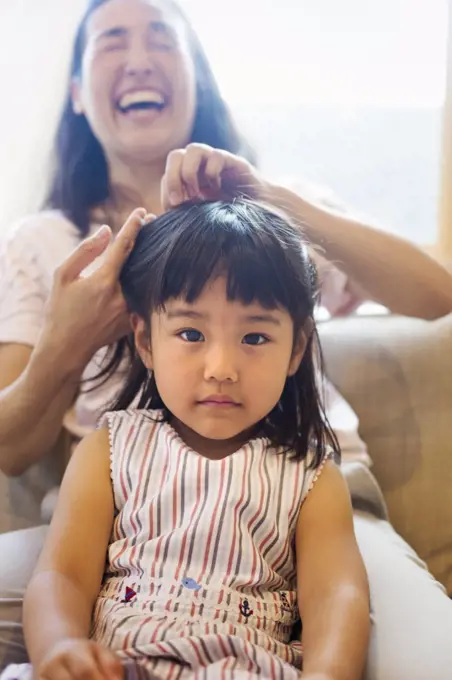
220,366
137,86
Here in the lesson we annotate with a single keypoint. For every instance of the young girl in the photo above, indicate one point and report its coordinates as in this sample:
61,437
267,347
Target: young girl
211,488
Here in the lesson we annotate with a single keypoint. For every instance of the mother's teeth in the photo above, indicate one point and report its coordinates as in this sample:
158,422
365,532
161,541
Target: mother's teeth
141,96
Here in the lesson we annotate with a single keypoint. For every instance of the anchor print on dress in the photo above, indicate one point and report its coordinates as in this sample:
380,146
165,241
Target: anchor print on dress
129,596
285,606
245,610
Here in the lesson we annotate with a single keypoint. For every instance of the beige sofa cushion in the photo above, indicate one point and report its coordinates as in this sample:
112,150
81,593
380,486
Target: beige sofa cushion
21,497
397,375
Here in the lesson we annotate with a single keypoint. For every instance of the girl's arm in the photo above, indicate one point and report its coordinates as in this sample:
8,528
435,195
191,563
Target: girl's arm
60,598
332,583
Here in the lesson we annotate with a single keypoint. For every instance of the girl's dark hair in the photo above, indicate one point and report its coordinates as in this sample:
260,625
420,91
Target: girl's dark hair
80,178
264,260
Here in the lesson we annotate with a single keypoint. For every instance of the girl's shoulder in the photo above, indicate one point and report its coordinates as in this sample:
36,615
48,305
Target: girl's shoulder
134,437
300,473
121,423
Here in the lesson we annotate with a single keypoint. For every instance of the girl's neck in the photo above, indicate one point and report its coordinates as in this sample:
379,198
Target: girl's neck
132,186
214,449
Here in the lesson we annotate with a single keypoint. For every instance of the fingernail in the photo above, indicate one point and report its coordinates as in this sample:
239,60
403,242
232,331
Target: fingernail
149,217
102,231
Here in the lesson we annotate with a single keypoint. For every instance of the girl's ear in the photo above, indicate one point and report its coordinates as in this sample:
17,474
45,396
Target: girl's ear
142,339
300,345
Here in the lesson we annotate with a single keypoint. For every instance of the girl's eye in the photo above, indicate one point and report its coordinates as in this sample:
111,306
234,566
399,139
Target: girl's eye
190,335
255,339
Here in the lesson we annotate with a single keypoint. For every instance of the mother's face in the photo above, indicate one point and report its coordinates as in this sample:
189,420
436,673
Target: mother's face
137,86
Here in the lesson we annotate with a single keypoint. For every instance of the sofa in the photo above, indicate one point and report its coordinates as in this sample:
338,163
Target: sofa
397,375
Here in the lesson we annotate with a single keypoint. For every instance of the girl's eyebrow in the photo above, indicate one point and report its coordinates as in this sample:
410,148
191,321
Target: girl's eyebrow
179,313
262,318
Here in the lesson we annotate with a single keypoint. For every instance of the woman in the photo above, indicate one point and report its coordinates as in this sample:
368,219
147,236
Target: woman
141,91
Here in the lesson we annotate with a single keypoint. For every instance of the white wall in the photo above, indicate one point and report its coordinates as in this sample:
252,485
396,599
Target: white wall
344,93
35,38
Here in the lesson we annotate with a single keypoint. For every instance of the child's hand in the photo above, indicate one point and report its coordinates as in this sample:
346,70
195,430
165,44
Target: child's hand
79,659
202,172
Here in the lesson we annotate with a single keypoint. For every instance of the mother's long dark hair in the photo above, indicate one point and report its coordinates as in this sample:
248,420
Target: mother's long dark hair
264,260
80,178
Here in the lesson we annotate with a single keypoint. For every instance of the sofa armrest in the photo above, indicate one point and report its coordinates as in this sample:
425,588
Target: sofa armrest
397,375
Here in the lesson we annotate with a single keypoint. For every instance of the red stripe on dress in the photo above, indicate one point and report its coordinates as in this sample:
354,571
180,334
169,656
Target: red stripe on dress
253,519
197,651
124,461
258,618
141,482
176,497
157,628
122,480
295,499
163,649
277,460
236,511
172,670
125,644
222,645
192,516
151,527
188,528
213,521
272,663
137,630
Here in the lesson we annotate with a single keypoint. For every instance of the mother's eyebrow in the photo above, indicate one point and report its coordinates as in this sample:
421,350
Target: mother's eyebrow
114,32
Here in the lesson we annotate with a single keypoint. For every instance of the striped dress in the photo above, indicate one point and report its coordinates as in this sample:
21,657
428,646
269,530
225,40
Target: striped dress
201,573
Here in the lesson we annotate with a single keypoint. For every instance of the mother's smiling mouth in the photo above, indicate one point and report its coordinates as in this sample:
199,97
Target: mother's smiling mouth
141,99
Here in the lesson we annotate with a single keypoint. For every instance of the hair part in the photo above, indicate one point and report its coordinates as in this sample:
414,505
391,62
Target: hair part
81,179
264,260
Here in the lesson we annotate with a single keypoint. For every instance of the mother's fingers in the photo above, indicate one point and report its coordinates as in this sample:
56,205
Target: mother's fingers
84,255
124,241
194,159
213,169
172,186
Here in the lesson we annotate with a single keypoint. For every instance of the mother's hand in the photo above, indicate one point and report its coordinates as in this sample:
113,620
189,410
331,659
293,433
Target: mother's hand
85,313
202,172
